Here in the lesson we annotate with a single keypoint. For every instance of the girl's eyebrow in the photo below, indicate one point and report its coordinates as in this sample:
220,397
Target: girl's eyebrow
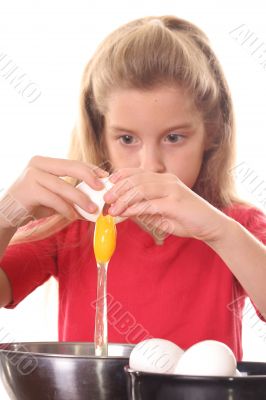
186,125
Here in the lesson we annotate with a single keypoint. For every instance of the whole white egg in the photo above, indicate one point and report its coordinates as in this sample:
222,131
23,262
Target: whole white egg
155,355
208,357
97,197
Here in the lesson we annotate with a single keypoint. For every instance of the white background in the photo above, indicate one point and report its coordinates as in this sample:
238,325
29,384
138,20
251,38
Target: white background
51,41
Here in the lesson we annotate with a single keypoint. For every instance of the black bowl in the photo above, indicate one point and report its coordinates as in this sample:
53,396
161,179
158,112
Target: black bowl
63,371
152,386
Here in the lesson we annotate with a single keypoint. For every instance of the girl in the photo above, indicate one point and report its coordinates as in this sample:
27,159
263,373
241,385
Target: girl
156,113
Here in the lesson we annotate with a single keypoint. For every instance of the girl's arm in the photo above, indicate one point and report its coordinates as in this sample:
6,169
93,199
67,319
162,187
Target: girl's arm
246,258
6,234
5,289
181,212
40,192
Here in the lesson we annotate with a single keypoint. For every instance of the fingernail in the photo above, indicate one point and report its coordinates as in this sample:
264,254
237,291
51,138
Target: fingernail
92,208
99,183
114,177
110,196
101,172
112,210
104,173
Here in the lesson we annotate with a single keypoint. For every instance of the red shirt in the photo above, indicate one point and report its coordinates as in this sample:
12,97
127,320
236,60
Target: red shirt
181,291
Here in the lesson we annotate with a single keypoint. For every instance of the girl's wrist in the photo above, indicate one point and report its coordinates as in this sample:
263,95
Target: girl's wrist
12,213
226,228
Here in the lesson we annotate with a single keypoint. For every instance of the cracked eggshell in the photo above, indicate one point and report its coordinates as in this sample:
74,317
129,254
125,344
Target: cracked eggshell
97,197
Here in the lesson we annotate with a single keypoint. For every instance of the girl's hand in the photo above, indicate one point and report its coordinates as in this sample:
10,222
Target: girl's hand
40,192
167,205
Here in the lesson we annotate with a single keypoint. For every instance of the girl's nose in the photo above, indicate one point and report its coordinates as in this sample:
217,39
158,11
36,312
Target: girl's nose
152,160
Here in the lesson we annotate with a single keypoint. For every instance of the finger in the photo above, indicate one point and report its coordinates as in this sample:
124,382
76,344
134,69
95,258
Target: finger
65,190
102,169
130,182
118,190
53,201
44,212
124,173
76,169
152,207
137,194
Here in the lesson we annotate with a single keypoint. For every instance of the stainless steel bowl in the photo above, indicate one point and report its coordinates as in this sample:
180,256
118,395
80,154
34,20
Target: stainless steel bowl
63,371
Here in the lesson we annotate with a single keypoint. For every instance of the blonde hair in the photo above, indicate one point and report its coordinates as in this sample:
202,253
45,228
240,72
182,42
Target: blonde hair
145,53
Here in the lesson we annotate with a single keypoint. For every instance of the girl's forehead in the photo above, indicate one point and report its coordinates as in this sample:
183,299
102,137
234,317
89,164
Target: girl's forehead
156,91
166,100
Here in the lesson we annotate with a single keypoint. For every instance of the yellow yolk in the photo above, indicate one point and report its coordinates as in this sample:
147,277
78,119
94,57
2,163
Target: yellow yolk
104,241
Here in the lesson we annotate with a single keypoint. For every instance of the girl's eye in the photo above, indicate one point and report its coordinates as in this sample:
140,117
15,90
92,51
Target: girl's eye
126,139
174,137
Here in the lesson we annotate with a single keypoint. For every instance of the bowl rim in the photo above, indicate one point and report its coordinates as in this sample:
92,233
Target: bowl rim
6,351
200,378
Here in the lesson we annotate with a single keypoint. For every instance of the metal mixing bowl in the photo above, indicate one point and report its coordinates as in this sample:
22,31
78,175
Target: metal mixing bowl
63,371
151,386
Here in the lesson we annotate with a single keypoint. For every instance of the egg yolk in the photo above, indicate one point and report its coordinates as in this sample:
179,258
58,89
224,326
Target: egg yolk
104,241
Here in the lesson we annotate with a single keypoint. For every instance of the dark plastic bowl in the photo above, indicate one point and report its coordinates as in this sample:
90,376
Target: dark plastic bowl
151,386
63,371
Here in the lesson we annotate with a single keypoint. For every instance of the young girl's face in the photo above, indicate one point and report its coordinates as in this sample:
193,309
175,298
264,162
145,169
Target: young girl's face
158,130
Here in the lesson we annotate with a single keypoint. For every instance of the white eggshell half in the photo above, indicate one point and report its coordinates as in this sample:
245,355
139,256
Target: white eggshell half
155,355
209,357
97,197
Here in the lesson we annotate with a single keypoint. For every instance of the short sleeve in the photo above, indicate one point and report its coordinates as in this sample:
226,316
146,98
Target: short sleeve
28,265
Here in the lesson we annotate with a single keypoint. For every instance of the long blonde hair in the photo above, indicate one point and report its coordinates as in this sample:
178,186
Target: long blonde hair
142,54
